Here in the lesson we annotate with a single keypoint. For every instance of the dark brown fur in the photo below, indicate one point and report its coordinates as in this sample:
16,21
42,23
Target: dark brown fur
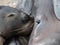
14,23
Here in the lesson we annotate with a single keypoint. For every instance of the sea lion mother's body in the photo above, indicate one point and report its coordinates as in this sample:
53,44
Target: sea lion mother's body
47,32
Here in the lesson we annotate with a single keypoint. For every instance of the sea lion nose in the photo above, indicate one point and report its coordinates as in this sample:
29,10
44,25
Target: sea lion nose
26,18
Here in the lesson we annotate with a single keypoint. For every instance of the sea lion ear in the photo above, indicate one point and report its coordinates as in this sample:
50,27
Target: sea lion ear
56,4
25,6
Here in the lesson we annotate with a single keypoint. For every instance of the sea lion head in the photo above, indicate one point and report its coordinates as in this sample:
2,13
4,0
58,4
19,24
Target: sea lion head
13,21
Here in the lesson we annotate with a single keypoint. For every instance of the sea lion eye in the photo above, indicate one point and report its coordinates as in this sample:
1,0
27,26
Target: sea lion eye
11,15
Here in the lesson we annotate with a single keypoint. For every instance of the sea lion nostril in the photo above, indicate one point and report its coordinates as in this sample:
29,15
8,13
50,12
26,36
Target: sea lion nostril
27,17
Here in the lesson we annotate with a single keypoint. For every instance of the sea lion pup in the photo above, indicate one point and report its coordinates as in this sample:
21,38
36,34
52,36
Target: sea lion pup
14,22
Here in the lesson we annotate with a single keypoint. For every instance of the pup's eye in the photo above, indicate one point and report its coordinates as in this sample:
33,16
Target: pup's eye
11,15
